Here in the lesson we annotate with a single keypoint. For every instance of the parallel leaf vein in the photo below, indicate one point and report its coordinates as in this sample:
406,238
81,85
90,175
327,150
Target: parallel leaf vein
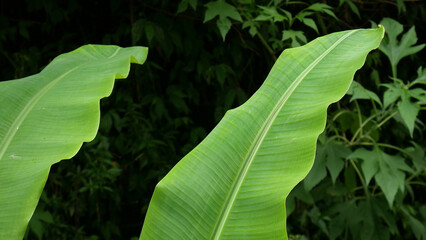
4,144
264,130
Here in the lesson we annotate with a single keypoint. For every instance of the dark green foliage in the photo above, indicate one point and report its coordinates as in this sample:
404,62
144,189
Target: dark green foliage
368,181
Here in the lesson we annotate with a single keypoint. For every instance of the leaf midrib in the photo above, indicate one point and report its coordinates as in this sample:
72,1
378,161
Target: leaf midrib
265,128
27,109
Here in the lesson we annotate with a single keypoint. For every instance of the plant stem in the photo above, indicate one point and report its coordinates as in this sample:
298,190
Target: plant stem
382,145
359,130
386,119
367,194
340,113
266,45
417,183
393,71
414,175
353,142
340,137
375,109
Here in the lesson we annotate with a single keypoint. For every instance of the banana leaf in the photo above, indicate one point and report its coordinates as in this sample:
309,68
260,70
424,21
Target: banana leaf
233,185
46,117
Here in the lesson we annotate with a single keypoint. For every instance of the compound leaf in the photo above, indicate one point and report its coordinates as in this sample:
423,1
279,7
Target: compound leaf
394,49
225,11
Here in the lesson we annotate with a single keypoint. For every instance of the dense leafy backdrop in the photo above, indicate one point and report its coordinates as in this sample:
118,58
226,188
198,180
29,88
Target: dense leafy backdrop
206,57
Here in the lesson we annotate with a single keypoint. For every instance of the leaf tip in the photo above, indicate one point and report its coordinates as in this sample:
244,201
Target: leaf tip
382,29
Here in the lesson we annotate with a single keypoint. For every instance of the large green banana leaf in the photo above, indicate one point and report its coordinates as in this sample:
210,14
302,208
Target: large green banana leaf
233,185
46,117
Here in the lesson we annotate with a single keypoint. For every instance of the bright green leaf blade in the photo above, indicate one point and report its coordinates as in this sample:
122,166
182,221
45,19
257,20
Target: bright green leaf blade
46,117
234,184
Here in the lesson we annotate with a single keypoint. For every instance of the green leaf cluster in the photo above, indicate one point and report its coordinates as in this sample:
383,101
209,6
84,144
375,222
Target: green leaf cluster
369,159
225,11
